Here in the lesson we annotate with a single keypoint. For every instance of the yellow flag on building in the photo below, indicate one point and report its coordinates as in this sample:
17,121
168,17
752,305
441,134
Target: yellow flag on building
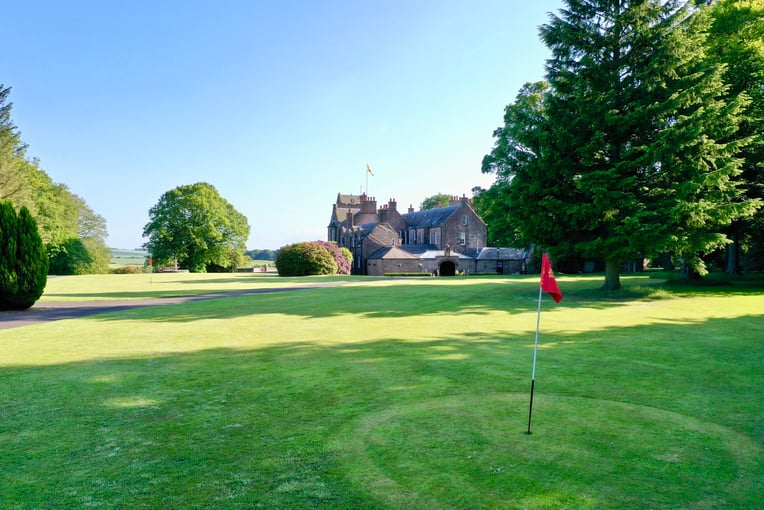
368,169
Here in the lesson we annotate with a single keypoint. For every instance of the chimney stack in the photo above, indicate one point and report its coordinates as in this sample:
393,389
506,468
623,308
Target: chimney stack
368,204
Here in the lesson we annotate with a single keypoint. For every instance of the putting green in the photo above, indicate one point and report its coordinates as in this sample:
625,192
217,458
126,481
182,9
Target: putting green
474,453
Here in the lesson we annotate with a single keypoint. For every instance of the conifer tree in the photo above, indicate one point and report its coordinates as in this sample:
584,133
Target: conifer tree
23,261
637,150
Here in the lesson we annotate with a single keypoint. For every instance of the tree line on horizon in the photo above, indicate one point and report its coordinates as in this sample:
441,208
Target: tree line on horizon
73,235
644,140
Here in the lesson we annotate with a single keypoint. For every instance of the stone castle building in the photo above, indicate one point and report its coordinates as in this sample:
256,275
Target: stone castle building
443,241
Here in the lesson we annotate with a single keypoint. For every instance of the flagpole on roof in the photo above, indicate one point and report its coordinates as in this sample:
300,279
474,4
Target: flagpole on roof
368,171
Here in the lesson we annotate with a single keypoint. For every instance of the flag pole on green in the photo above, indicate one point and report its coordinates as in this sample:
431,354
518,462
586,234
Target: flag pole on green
549,285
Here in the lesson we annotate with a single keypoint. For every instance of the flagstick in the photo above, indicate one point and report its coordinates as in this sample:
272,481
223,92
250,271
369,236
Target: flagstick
533,371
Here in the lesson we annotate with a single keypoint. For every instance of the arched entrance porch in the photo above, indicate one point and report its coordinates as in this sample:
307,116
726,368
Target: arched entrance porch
447,268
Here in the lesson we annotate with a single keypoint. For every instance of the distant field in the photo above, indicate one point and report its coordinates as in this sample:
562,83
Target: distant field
128,257
138,257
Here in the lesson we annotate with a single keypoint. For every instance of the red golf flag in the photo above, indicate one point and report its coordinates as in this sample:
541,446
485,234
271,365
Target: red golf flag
548,283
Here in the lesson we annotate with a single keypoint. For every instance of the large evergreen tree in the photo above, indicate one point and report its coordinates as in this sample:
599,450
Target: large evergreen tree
194,227
637,149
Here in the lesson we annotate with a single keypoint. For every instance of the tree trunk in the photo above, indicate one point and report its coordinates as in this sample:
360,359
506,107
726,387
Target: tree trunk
666,262
689,273
733,266
733,252
612,274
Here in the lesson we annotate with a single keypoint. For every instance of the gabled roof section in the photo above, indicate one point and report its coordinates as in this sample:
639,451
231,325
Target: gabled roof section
366,228
392,252
342,214
418,249
418,252
350,200
430,217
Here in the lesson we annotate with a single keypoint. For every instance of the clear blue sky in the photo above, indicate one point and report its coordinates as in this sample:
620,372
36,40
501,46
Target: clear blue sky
278,104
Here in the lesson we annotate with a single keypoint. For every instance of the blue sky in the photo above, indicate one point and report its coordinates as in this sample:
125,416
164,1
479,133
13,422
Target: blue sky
278,104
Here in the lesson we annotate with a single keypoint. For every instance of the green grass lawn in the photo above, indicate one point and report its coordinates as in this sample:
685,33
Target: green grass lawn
387,394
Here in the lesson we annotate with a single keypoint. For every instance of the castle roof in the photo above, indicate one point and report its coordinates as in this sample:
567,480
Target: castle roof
430,217
418,252
392,252
345,200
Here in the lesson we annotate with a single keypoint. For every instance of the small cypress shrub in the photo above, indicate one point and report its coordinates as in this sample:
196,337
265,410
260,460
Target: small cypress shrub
23,260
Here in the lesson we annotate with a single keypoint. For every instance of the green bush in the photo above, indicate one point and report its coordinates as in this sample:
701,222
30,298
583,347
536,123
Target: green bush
305,259
68,257
23,260
343,263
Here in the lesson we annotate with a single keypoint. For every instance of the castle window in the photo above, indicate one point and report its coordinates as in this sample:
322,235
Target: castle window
464,219
435,236
462,238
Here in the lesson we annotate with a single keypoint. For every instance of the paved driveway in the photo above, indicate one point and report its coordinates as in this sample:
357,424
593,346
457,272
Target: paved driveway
54,311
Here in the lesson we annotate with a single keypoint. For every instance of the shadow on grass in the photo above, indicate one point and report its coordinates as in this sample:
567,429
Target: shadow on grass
329,297
328,300
156,289
379,424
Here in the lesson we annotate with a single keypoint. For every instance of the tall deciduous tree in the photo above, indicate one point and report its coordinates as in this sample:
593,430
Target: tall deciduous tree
439,200
637,147
13,175
517,151
195,227
73,235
